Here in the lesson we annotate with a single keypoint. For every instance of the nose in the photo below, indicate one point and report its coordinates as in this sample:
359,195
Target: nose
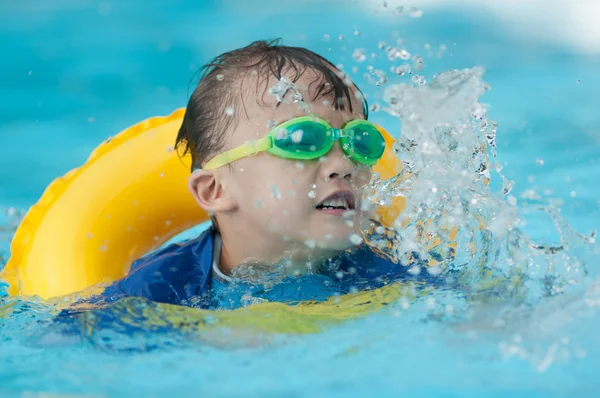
337,165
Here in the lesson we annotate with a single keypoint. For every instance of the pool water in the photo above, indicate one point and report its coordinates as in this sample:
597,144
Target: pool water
80,71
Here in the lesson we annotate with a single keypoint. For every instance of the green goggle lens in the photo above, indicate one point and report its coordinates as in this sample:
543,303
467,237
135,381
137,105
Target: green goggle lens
302,138
309,139
366,140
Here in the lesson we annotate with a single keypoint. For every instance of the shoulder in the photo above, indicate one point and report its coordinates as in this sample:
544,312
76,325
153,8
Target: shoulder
172,274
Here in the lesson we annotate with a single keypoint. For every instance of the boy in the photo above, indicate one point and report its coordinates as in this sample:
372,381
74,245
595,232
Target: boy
285,197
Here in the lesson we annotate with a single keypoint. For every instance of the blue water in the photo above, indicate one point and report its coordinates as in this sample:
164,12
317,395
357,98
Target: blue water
75,72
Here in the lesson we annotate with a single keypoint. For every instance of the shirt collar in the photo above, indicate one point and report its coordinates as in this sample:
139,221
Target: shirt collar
216,270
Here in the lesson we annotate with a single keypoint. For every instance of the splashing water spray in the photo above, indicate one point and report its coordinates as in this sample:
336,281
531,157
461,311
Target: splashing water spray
281,89
453,223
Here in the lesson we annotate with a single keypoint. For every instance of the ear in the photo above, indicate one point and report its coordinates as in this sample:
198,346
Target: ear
209,191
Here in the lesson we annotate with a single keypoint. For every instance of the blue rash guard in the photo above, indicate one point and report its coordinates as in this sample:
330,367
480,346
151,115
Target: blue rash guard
187,274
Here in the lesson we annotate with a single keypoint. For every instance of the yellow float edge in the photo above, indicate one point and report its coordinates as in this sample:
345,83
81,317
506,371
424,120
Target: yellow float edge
54,191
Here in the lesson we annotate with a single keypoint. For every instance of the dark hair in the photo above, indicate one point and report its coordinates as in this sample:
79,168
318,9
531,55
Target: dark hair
221,85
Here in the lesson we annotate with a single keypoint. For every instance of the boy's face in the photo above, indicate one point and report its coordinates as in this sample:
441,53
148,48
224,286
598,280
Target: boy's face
283,198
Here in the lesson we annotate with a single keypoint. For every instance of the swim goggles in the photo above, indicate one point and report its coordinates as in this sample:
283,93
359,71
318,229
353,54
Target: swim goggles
308,138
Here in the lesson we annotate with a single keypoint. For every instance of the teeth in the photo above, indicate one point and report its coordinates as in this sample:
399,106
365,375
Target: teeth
336,203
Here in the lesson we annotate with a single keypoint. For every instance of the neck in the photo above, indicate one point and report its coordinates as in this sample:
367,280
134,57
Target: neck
244,246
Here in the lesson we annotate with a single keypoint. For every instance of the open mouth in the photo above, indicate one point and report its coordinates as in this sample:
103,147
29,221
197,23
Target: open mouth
338,201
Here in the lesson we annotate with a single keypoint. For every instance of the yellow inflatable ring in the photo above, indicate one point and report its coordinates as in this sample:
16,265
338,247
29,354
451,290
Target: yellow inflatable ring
129,198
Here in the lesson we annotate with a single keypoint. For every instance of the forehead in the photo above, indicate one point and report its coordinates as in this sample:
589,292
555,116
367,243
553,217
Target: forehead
267,96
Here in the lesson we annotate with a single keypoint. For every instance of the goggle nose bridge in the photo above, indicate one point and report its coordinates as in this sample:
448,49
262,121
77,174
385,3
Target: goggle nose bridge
337,133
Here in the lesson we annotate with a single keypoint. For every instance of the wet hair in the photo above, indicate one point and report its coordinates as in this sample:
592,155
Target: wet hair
221,86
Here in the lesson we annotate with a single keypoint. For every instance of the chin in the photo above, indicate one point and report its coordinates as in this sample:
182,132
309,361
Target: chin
338,242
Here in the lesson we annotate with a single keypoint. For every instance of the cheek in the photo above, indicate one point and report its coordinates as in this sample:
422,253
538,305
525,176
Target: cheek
363,176
269,182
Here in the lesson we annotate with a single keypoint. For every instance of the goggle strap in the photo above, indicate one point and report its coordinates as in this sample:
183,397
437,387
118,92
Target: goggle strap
249,148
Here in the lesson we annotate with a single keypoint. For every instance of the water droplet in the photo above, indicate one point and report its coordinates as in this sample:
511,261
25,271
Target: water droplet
419,80
394,53
312,194
220,77
434,271
539,162
506,185
89,235
297,136
380,230
414,270
355,239
419,62
326,37
341,37
416,12
271,124
401,70
381,45
349,223
339,274
258,204
275,193
379,74
356,33
229,110
573,194
168,223
400,9
310,243
103,248
530,194
299,165
359,55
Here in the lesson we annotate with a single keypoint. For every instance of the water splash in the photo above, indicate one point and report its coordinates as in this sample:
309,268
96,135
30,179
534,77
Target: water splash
453,222
285,87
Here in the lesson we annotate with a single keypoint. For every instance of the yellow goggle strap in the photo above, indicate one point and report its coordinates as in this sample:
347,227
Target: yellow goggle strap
249,148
